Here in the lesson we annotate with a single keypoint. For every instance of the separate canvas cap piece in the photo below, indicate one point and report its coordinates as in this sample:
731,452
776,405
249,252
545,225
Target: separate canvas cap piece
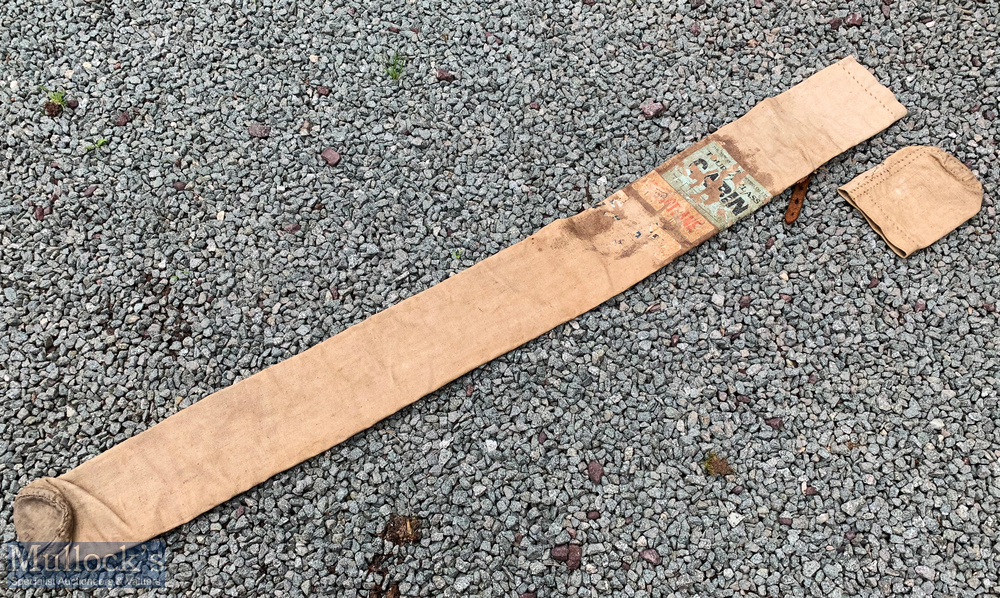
918,195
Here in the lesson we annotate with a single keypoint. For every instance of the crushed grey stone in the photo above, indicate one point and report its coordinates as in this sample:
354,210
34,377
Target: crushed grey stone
130,299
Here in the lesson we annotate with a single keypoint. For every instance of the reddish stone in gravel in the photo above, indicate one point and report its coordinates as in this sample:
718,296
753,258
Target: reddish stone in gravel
293,228
39,213
695,29
180,185
592,515
885,10
737,490
810,491
651,556
652,109
851,535
72,104
534,105
813,378
787,298
259,131
674,340
854,19
560,553
89,191
596,472
775,422
123,119
528,595
743,399
330,155
769,244
744,301
542,437
590,2
394,29
835,23
443,75
873,283
919,306
323,90
575,557
785,520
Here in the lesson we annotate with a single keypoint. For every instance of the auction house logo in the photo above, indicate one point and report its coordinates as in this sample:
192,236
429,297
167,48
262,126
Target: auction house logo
85,565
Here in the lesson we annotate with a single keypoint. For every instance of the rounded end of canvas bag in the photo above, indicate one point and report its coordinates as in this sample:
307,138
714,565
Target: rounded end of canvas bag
42,513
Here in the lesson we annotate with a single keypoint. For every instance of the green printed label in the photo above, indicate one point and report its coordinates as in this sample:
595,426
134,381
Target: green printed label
716,185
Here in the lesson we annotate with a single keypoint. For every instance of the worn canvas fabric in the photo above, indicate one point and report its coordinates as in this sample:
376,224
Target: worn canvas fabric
918,195
242,435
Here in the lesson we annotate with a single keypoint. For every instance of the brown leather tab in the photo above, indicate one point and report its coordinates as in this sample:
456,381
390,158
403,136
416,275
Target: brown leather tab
798,198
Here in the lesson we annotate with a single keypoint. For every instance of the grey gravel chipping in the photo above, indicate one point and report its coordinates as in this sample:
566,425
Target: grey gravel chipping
128,298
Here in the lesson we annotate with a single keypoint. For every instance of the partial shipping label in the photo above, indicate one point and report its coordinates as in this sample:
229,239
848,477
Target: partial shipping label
675,215
716,185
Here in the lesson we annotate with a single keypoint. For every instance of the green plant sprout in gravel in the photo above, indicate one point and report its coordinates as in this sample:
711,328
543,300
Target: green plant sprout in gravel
456,254
57,101
394,67
97,144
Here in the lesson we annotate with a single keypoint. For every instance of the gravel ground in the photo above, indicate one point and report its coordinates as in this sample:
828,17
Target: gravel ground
185,253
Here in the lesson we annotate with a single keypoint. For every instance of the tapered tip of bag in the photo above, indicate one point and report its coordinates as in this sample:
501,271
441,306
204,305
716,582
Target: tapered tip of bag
42,513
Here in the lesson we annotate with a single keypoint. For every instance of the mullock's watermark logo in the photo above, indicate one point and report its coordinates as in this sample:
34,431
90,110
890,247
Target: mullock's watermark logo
85,565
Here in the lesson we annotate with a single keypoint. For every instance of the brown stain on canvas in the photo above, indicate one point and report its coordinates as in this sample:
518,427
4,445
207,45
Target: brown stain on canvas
747,161
628,252
589,224
679,158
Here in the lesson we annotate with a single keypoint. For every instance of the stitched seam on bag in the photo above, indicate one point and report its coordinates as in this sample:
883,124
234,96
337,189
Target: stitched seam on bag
63,528
887,169
866,90
894,225
957,169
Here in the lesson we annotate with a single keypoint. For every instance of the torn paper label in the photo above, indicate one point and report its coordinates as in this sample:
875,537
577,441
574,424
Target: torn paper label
673,214
716,185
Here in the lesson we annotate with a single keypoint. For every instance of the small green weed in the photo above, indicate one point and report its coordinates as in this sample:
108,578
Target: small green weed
56,97
56,102
394,66
97,144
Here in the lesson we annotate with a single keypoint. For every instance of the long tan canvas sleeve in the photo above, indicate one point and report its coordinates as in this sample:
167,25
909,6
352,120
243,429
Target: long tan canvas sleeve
242,435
